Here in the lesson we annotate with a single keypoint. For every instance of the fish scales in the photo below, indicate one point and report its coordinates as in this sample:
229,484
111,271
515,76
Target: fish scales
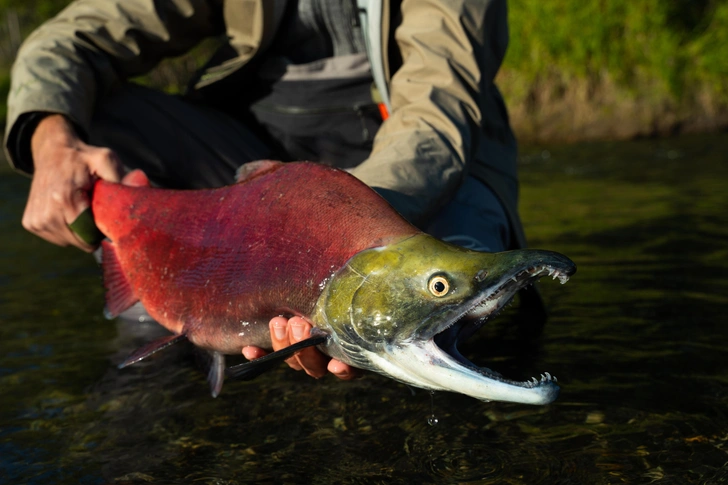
203,261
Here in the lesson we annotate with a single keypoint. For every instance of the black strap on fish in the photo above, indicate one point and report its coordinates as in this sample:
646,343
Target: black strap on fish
250,370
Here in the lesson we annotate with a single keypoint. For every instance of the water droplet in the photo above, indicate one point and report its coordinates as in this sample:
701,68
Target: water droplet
432,419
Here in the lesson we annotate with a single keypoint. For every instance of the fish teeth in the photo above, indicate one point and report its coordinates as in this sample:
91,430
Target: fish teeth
545,377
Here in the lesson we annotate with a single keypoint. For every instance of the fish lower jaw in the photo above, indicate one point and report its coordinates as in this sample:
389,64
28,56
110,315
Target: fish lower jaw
426,366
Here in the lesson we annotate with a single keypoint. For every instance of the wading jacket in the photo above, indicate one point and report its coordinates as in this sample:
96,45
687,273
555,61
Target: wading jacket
433,63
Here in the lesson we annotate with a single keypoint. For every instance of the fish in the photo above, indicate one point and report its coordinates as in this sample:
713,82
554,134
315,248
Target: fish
213,266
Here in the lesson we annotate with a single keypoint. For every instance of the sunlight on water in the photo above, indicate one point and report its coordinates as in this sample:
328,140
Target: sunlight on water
637,339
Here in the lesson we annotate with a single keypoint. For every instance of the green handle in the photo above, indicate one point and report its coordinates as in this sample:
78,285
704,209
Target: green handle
85,228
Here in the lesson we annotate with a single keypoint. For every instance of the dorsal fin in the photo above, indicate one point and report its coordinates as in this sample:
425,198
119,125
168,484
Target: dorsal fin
151,348
252,170
119,293
136,178
254,368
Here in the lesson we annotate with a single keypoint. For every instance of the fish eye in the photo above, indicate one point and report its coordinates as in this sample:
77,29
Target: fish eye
438,286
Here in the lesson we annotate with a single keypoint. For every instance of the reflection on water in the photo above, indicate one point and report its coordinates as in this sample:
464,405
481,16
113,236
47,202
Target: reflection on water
637,338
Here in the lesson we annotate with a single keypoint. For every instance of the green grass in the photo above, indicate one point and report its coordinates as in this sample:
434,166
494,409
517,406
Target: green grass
671,48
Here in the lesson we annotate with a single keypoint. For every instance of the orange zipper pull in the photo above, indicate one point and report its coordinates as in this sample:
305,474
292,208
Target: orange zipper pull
383,111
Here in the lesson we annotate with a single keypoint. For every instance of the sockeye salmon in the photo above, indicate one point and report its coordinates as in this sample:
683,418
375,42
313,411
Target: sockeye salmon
214,266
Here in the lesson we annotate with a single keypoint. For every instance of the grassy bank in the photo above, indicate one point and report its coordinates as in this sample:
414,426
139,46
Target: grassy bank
594,69
574,70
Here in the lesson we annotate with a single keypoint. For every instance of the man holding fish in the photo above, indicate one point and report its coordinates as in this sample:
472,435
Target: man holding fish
398,93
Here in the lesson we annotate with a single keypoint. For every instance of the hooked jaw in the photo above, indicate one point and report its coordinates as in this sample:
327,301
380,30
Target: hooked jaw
433,361
429,367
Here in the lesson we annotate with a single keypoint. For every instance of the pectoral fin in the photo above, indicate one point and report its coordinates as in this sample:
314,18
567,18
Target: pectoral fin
151,348
216,373
250,370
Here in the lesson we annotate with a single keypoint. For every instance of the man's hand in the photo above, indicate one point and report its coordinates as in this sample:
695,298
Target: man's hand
285,332
65,170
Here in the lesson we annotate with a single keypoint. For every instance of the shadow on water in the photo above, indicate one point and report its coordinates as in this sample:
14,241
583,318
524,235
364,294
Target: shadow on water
637,339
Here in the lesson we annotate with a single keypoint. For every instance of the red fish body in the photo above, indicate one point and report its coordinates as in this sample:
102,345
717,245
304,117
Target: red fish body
216,265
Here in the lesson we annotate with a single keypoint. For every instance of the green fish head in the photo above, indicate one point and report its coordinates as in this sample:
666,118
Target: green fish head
401,310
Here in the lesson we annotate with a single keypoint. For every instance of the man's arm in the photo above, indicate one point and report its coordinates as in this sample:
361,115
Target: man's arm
78,57
62,70
440,97
65,170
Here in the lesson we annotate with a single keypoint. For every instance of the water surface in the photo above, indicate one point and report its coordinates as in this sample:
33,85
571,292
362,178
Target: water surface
638,339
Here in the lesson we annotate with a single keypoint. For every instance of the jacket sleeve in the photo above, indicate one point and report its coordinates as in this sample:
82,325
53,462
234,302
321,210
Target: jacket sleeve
451,51
77,58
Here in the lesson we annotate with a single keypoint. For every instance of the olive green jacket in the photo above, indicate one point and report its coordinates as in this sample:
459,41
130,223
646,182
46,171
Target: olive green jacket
435,61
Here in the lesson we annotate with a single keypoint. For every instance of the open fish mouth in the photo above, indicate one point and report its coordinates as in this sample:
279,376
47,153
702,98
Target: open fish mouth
434,362
487,307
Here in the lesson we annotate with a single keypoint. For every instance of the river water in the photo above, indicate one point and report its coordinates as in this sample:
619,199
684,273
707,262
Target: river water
638,339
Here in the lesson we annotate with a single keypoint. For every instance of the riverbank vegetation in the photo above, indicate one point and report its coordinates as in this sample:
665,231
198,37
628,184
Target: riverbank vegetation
616,69
574,70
